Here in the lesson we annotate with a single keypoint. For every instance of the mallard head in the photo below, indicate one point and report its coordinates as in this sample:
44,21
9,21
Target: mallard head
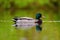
38,15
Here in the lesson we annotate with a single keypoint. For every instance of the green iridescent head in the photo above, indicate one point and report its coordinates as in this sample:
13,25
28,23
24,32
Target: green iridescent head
38,15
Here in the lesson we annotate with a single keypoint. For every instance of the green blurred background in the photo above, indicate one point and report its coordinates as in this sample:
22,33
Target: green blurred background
28,8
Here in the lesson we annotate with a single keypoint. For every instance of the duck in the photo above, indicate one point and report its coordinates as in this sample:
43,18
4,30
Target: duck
28,22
